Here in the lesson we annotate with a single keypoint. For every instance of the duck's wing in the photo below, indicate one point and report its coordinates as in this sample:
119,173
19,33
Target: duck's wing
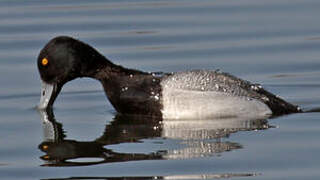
204,80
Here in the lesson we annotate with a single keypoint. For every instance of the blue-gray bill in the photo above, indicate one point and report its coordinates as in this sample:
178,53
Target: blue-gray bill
49,93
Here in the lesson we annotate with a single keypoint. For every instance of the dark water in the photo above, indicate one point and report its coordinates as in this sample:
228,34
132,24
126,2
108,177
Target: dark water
275,43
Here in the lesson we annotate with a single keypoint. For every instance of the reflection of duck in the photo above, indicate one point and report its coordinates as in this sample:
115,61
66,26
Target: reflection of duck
60,151
184,95
203,137
184,176
210,129
197,140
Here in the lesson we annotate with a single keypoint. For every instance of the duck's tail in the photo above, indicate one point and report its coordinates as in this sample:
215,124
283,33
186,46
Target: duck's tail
277,105
281,107
312,110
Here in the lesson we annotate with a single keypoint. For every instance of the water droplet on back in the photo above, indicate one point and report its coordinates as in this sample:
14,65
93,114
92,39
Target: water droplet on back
124,89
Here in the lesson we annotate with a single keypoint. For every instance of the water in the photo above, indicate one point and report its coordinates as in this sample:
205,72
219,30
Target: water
274,43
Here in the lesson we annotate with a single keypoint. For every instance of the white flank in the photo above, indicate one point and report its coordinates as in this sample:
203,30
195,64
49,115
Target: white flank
193,104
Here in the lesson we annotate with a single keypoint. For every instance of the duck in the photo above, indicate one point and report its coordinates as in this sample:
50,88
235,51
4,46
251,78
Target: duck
194,94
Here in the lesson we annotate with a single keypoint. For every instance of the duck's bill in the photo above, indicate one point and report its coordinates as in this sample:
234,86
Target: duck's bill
49,92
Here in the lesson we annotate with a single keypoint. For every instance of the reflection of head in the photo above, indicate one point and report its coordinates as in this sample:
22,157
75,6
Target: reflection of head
61,152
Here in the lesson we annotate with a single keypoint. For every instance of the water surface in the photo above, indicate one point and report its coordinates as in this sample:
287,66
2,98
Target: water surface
274,43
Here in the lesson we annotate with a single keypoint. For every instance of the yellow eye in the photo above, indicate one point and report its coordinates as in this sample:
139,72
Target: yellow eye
44,61
45,147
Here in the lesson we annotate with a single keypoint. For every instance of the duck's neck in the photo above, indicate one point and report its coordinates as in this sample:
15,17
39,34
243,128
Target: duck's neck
106,70
112,78
96,66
